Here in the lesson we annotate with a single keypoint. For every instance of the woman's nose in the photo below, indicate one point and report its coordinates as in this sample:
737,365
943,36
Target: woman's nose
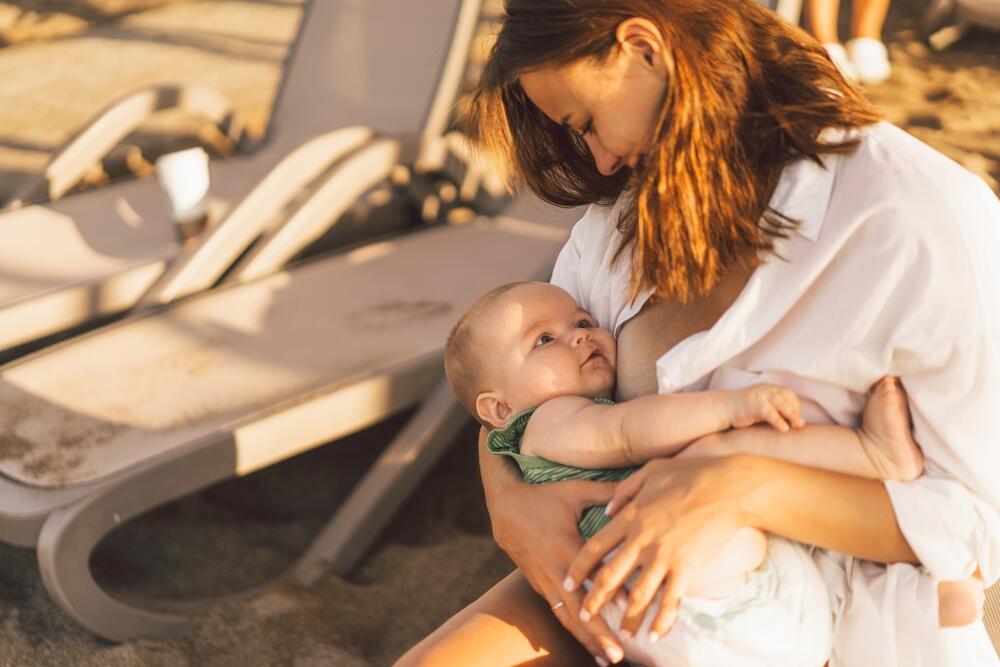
607,162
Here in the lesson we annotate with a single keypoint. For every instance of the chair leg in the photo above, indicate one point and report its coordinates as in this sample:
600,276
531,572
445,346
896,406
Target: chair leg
69,536
390,481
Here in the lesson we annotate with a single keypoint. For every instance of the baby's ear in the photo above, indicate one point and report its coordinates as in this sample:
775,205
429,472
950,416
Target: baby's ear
492,409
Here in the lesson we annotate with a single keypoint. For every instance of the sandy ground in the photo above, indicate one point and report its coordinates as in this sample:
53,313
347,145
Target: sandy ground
231,544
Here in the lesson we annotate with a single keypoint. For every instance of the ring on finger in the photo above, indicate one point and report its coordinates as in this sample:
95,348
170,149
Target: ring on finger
557,605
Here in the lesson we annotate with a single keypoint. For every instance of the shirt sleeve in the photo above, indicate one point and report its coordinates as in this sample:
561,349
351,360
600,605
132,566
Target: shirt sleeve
951,515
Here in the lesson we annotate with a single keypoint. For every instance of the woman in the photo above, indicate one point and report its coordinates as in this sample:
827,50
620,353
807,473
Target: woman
752,221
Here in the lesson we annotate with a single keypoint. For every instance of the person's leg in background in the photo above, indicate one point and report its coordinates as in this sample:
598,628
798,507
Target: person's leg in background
823,25
865,48
864,57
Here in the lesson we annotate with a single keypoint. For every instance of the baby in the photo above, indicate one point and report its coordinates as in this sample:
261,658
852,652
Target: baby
529,363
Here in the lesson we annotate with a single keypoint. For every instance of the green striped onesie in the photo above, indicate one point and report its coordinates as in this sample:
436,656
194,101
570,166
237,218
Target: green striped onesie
537,470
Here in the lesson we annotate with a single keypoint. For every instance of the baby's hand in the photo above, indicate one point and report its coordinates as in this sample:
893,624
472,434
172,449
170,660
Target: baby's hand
769,403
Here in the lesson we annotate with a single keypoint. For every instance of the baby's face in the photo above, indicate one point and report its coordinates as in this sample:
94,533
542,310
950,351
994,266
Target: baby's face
543,345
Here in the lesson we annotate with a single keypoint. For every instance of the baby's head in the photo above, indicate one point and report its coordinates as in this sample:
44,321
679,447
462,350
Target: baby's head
522,344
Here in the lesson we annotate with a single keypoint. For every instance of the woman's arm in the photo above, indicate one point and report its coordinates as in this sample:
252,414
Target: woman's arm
676,514
536,525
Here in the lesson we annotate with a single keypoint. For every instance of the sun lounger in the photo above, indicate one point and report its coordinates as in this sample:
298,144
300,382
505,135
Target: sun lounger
99,428
103,427
72,262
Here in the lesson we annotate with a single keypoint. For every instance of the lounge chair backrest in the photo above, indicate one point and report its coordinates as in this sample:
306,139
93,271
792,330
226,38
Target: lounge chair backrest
339,72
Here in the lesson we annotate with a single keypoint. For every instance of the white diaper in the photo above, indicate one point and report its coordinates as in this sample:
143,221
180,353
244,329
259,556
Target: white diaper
781,617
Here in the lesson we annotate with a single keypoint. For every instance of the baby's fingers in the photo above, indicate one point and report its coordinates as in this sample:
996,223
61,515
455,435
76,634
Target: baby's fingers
771,415
788,405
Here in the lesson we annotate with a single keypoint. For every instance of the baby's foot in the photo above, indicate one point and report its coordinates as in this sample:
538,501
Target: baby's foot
885,433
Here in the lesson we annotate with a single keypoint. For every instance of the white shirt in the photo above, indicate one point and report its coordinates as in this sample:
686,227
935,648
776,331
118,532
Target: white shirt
892,271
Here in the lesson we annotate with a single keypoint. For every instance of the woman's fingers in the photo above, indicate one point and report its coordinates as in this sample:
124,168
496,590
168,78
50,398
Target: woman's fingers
592,552
611,576
585,493
644,589
594,635
674,587
624,492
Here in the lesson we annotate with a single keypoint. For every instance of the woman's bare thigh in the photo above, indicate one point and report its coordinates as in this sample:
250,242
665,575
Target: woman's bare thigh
509,625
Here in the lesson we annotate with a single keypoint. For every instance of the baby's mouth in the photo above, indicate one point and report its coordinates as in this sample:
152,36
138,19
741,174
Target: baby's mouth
595,354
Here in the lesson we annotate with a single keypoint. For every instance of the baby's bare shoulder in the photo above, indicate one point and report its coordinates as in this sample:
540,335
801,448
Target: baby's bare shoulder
555,419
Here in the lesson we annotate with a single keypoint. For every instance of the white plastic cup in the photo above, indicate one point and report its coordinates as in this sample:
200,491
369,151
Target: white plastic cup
184,177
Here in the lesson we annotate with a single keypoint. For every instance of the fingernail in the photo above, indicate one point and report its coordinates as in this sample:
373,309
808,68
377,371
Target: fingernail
569,584
624,634
584,615
615,654
608,508
654,637
621,602
601,661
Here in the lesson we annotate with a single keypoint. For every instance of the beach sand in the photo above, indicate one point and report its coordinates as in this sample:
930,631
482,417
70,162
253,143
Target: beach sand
226,549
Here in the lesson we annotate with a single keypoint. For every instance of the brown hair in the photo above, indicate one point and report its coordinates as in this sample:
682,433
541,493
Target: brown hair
746,94
464,365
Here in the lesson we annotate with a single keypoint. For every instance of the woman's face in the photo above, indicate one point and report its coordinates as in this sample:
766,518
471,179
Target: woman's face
613,105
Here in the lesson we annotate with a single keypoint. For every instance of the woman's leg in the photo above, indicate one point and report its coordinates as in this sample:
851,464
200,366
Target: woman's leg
509,625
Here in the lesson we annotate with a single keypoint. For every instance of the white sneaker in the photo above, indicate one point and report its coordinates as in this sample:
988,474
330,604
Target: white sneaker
870,59
838,54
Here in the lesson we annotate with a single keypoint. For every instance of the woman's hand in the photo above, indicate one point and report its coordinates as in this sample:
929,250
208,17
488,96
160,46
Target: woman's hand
537,527
671,517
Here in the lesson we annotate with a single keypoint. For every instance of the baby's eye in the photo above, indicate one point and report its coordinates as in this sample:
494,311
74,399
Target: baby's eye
584,324
544,339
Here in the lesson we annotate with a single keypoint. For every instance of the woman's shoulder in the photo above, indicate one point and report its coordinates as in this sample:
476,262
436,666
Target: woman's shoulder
917,215
899,188
913,174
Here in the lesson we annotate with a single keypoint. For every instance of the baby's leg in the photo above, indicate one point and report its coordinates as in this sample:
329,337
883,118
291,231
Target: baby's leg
726,573
960,602
886,435
883,448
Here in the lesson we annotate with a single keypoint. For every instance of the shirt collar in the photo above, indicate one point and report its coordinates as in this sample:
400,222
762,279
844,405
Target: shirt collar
805,188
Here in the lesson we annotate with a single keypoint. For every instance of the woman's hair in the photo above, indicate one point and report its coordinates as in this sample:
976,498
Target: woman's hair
746,94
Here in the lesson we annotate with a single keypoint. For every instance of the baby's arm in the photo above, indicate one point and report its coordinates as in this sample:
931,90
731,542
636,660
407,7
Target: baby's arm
882,448
575,431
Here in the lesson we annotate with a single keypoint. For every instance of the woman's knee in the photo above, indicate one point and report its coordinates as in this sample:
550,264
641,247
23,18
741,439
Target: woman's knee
508,625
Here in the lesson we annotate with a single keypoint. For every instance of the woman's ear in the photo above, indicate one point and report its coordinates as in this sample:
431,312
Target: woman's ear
492,409
640,37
